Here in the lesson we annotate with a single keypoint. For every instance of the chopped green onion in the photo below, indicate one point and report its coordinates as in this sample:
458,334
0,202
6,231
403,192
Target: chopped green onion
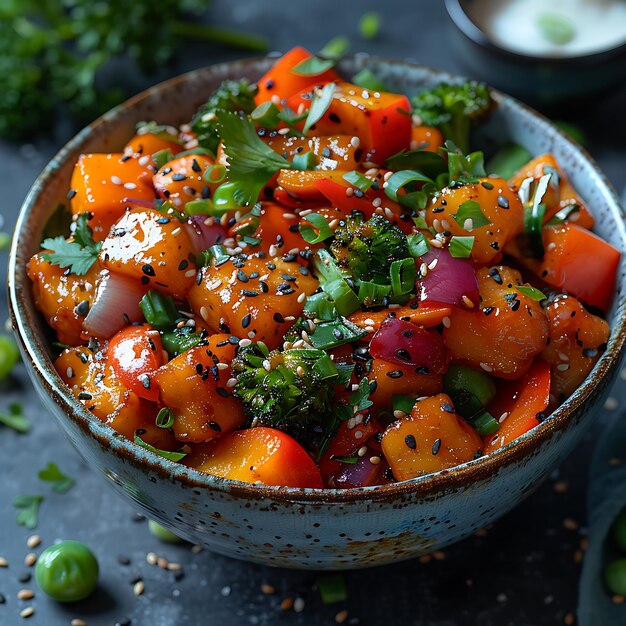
318,231
251,241
319,106
508,160
166,454
251,224
159,310
461,247
563,215
345,300
531,292
199,207
320,306
350,460
313,66
412,199
197,150
373,294
368,80
470,210
9,355
485,423
531,194
356,179
335,333
217,252
402,273
418,244
305,161
162,157
403,403
267,115
332,587
165,418
420,222
224,198
209,175
180,340
369,25
428,163
335,48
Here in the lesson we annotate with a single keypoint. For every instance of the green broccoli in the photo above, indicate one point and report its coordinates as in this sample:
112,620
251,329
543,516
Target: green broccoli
453,108
232,95
291,390
366,249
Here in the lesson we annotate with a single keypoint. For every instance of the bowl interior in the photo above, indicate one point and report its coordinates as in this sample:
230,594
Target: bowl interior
174,102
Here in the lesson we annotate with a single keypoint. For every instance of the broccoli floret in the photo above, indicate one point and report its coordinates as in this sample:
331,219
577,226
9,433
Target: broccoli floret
291,390
366,249
232,95
453,108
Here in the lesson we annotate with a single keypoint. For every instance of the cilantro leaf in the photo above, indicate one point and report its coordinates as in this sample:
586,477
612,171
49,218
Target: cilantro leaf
80,254
360,397
470,210
461,247
531,292
27,510
251,163
313,66
15,419
60,482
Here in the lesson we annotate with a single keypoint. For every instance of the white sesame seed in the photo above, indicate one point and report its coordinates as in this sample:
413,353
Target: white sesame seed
139,587
351,423
398,414
433,264
563,356
33,541
231,382
436,243
27,612
267,365
190,273
445,224
298,605
341,616
204,313
116,180
25,594
355,142
446,321
362,451
290,216
563,367
30,559
78,622
486,367
69,372
374,460
302,297
376,202
294,251
371,172
333,223
144,160
275,99
611,404
349,192
467,302
503,417
305,212
152,558
130,186
176,232
393,306
283,131
222,366
289,318
468,224
3,562
437,225
358,434
424,270
244,343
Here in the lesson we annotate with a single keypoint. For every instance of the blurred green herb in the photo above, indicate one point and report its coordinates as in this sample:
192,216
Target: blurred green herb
556,28
60,482
369,25
27,510
9,355
15,419
5,241
51,52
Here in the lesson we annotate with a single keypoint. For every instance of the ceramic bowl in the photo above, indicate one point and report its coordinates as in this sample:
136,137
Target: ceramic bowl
299,528
542,79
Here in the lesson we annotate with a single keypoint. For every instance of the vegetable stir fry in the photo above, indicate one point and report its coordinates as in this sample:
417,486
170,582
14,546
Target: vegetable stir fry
314,284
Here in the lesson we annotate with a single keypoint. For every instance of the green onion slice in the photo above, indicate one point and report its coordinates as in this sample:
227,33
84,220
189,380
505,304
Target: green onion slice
165,418
317,231
166,454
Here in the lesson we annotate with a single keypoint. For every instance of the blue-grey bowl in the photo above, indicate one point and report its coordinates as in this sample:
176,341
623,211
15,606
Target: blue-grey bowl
299,528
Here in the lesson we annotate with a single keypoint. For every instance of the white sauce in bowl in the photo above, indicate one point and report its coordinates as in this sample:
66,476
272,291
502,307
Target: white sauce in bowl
562,28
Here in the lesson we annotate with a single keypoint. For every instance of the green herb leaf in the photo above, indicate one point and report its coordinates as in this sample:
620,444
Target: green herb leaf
463,169
372,294
369,25
319,106
359,398
27,510
9,355
461,247
356,179
5,241
418,244
161,157
305,161
412,199
60,482
470,210
428,163
368,80
318,231
403,403
166,454
531,292
335,48
251,162
159,310
557,28
350,460
15,419
335,333
180,340
313,66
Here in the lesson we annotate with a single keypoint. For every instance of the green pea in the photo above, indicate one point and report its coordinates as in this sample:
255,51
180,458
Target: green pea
9,355
162,533
619,530
67,571
615,577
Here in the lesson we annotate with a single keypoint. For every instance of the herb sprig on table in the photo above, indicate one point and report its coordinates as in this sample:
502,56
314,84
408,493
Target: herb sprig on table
51,52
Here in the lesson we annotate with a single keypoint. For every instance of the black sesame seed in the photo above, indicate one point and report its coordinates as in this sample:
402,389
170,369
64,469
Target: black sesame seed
2,599
178,177
436,446
488,310
215,426
395,374
438,209
503,202
410,442
232,339
195,166
493,272
242,276
222,392
278,318
250,293
124,622
145,381
403,354
589,353
333,117
163,220
148,270
448,408
26,577
123,560
290,258
82,308
326,152
422,370
486,185
264,286
83,395
245,322
71,193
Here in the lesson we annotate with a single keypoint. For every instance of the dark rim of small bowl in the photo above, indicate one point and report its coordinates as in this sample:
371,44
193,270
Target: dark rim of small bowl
34,348
468,27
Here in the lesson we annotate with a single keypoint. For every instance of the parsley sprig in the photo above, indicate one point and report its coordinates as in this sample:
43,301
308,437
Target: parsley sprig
27,510
14,418
80,254
52,474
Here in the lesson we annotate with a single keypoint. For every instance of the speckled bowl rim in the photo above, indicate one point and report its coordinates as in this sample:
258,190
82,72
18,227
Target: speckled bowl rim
468,27
37,354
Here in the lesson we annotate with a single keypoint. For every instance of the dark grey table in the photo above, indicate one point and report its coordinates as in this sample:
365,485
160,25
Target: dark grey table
522,572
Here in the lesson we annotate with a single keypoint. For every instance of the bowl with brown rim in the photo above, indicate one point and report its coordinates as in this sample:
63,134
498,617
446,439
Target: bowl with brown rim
305,528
